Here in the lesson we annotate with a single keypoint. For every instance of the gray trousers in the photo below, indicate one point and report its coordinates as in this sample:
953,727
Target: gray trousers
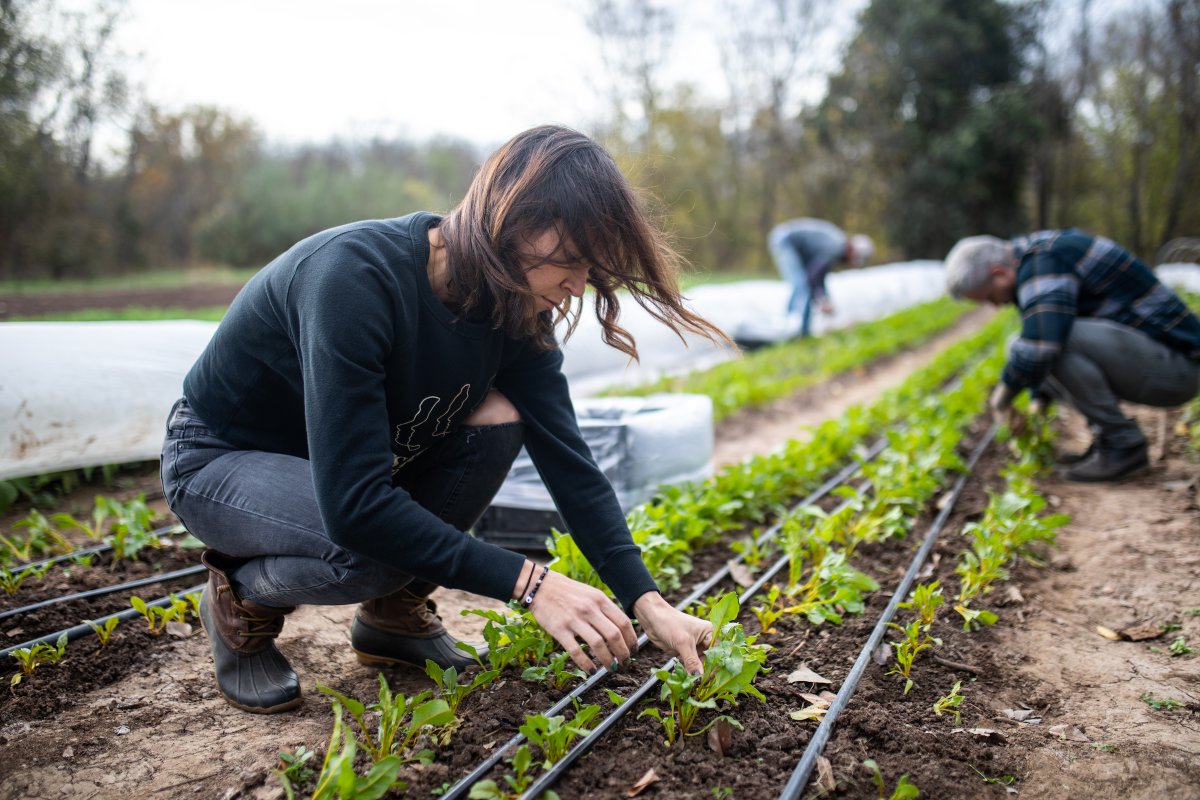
261,508
1106,362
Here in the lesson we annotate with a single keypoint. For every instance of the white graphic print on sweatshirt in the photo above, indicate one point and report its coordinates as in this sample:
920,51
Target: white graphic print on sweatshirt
407,431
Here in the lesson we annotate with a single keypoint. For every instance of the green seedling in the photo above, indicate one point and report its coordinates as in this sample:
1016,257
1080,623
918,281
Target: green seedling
517,783
925,600
1104,747
1005,780
1179,647
556,674
105,509
753,549
1170,627
338,779
449,689
730,665
41,537
903,791
1166,704
907,650
949,704
833,588
11,581
30,658
104,630
400,721
614,698
294,769
769,612
514,639
973,618
554,735
131,532
157,617
722,792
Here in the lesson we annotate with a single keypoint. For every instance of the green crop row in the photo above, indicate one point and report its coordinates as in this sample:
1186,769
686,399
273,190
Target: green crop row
780,370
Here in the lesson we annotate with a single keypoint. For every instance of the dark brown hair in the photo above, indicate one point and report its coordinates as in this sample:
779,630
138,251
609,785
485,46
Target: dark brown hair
553,176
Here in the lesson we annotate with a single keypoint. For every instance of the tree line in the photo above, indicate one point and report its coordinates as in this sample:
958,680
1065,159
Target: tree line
939,118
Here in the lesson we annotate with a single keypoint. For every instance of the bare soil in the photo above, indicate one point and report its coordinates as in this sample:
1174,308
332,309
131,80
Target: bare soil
41,304
144,719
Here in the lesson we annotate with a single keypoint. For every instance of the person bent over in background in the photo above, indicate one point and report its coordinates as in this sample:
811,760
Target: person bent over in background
805,250
1097,327
363,399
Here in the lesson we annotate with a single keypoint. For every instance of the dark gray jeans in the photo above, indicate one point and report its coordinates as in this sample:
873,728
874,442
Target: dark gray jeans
261,507
1106,362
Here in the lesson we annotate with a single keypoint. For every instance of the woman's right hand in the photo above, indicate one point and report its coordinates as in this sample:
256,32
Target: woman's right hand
572,612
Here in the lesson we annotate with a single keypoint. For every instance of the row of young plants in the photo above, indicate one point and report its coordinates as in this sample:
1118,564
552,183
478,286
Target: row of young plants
775,372
821,583
516,642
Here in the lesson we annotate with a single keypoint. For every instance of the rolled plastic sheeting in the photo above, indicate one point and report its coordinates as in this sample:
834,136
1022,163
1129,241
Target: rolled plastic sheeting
85,394
639,442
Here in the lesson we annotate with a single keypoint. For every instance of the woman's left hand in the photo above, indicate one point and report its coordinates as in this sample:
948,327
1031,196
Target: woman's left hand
673,631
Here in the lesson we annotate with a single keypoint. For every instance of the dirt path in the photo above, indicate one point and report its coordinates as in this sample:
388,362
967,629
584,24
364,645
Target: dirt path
1131,554
1130,557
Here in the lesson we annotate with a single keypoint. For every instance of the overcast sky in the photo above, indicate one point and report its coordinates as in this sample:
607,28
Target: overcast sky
309,70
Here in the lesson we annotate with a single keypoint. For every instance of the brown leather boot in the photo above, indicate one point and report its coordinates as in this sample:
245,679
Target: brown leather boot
403,628
251,673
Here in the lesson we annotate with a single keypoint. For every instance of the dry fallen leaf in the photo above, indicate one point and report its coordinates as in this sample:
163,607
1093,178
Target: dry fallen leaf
1013,595
825,777
805,675
1108,633
650,778
1019,714
720,737
813,712
882,654
180,630
740,573
1140,633
1067,733
815,699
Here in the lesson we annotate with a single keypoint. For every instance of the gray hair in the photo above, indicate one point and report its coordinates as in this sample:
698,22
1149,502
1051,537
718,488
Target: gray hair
969,263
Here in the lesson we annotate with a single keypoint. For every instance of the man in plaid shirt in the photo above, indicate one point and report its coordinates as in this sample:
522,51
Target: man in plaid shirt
1097,327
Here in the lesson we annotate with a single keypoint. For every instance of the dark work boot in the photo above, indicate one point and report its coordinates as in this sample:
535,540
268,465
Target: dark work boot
251,673
1068,459
403,628
1108,464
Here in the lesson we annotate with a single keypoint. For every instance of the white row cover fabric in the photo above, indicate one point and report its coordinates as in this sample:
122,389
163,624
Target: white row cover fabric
639,443
90,393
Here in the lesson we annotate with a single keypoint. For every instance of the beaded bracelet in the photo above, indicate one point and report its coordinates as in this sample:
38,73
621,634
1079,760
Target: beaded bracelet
528,601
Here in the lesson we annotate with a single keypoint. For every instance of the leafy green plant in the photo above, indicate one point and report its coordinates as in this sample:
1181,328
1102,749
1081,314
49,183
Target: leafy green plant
754,549
293,769
400,721
104,630
554,735
730,665
41,537
11,580
556,674
30,658
1166,704
948,704
449,689
832,589
907,649
903,791
131,532
769,612
1179,647
338,778
514,639
517,783
157,617
925,600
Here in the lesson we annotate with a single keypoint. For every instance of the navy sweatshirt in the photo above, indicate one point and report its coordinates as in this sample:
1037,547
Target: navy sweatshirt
339,352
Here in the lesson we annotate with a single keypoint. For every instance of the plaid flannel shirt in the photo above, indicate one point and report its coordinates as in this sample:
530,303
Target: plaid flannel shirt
1067,274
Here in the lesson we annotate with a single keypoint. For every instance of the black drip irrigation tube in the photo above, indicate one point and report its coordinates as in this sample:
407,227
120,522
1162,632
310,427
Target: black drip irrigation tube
464,784
808,760
66,598
551,776
83,629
